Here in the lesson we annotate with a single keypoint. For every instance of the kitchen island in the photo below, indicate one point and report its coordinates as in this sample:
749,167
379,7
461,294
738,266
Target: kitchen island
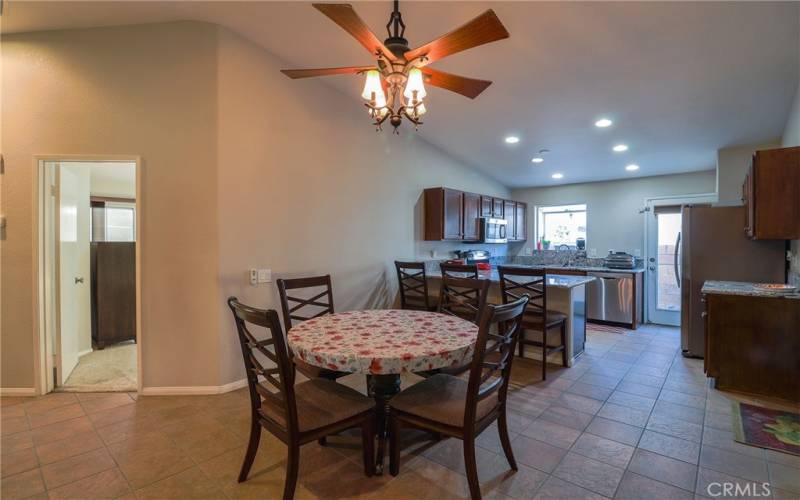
565,294
752,341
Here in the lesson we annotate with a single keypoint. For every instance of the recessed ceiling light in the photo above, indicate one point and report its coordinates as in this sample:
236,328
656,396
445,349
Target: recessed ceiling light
537,159
632,167
557,176
619,148
603,123
512,139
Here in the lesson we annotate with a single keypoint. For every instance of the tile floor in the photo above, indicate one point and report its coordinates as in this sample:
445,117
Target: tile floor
631,420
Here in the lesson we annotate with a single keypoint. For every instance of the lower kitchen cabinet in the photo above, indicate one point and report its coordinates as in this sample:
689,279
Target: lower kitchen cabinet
752,344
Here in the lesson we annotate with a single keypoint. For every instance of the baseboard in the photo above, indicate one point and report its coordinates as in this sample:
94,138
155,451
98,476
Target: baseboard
21,391
84,353
194,390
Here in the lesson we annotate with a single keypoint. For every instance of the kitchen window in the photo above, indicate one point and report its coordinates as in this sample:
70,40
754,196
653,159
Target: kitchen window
113,221
560,225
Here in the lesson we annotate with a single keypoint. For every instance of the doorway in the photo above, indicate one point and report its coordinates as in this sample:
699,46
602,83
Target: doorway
664,266
89,257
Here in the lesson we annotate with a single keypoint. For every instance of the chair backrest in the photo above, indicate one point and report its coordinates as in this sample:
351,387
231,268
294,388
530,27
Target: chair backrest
459,270
280,377
489,372
300,306
413,285
518,281
463,297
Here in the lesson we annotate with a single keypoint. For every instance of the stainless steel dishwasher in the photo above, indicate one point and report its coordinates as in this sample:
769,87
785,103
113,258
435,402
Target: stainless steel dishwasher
610,297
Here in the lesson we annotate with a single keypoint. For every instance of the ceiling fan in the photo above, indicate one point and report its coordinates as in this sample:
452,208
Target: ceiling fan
394,86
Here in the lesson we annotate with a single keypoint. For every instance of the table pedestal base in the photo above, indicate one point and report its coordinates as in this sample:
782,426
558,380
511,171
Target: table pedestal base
382,388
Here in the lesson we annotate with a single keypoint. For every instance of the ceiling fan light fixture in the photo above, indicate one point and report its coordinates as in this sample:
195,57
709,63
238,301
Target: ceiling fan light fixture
372,86
415,88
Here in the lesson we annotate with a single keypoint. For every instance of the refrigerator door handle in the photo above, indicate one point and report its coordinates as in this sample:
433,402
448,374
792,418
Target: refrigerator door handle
675,261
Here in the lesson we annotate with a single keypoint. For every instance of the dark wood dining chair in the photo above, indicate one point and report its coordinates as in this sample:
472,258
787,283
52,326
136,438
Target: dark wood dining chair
413,286
454,407
463,297
295,414
459,270
300,307
516,281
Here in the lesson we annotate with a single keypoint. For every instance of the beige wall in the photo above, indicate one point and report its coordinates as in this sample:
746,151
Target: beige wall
303,192
143,90
732,166
791,137
613,207
239,170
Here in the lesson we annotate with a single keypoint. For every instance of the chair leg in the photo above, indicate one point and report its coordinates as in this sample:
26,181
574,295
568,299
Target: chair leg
472,468
544,354
394,444
564,343
368,444
520,342
252,449
292,468
502,428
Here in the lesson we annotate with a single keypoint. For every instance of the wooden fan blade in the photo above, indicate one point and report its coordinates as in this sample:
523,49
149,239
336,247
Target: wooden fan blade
344,15
310,73
483,29
469,87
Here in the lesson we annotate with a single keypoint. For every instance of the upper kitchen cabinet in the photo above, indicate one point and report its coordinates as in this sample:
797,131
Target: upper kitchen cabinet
771,195
520,221
492,207
472,214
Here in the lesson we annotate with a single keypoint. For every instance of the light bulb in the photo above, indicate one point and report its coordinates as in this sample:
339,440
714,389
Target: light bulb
420,110
414,84
373,86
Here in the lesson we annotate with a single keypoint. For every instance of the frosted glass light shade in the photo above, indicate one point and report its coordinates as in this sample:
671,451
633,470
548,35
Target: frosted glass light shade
373,85
415,83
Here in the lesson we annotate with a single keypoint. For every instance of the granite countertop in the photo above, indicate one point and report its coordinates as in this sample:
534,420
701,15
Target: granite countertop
554,280
741,288
601,269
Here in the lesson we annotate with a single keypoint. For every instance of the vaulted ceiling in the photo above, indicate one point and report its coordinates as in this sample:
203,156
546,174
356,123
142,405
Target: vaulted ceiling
679,79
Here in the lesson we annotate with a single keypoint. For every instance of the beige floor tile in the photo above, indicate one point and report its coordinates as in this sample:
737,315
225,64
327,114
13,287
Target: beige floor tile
76,445
590,474
66,412
16,442
23,485
107,484
12,425
60,430
191,483
107,401
102,418
147,460
49,402
12,411
124,430
9,401
76,468
202,437
558,489
423,478
636,487
18,461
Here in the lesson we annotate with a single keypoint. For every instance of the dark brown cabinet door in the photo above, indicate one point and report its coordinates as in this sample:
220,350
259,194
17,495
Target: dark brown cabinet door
487,205
497,208
472,211
747,197
772,195
521,221
509,210
453,204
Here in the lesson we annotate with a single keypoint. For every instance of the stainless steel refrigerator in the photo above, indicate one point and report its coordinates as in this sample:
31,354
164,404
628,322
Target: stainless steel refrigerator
714,247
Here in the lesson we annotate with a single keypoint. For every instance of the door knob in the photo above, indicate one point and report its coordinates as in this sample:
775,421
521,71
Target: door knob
79,280
652,268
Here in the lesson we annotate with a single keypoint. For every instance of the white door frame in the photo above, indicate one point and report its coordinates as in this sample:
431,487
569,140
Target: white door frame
43,307
650,205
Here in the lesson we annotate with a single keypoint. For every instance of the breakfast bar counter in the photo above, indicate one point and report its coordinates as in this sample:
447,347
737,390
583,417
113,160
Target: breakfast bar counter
565,294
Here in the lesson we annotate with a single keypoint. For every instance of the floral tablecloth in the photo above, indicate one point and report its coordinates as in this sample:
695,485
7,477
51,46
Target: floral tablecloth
384,341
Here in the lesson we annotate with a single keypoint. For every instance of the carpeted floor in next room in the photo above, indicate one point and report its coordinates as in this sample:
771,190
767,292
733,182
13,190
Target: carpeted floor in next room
631,420
111,369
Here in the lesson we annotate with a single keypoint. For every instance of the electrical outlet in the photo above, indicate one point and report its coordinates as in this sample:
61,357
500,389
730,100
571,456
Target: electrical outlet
254,277
264,275
528,251
637,252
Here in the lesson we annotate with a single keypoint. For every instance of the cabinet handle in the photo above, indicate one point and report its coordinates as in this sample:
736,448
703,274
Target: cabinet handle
704,314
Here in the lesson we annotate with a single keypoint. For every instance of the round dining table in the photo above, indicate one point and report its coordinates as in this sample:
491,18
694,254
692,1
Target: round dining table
383,344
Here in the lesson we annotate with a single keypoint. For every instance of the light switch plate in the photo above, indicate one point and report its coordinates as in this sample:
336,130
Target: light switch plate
264,275
254,277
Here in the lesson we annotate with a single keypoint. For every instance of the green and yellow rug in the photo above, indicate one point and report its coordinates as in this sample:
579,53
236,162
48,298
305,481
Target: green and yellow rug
774,429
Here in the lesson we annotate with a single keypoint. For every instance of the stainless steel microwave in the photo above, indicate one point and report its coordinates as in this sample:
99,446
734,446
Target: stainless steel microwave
493,230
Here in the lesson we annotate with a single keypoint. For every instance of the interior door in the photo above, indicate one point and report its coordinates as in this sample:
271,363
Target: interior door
74,332
664,265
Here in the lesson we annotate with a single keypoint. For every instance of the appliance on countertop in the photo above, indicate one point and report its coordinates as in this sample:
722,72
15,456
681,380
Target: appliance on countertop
620,260
580,244
493,230
479,257
714,247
